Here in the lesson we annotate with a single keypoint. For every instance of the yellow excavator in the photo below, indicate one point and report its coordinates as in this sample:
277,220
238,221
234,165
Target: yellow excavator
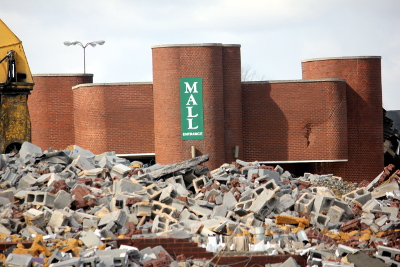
15,85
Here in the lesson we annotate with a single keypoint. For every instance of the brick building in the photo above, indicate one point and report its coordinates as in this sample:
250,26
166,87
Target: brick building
328,122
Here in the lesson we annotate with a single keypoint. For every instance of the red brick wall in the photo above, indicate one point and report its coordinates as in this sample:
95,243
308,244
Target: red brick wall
51,109
232,101
294,121
364,109
114,117
170,63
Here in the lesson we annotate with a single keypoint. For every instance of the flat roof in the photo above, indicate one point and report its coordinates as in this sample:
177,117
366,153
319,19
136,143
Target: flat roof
340,58
62,74
110,84
298,81
194,45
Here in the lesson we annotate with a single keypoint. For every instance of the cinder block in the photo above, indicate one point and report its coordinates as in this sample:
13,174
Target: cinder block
90,239
285,202
73,262
160,224
119,217
29,149
388,252
229,200
141,209
117,257
153,191
19,260
322,202
388,261
8,193
383,189
126,186
201,213
187,215
335,215
305,203
27,181
361,195
372,204
242,208
40,198
199,183
34,217
62,200
264,203
59,218
336,264
219,211
159,208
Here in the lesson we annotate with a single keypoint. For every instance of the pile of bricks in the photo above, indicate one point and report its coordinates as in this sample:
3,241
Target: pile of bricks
74,208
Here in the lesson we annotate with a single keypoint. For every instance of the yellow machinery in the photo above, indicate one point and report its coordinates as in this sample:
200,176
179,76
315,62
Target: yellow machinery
15,85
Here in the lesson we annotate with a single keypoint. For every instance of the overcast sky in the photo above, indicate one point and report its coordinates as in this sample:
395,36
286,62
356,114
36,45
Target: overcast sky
275,35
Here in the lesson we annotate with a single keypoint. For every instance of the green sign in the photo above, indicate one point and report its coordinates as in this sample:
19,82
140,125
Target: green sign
192,121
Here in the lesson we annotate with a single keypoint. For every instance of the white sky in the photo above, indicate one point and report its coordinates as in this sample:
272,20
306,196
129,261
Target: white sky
275,34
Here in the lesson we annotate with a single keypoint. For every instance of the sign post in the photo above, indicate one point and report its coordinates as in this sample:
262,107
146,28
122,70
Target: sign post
192,113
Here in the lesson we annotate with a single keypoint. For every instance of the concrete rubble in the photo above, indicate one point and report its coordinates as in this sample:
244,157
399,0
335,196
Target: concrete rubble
73,208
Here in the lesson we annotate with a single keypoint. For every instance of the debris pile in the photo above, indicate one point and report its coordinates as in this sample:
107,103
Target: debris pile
75,207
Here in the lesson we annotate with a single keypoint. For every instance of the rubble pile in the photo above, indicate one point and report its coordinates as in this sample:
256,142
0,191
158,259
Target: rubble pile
73,207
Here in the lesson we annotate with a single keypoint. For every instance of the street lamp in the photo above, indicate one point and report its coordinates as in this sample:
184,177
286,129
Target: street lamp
94,43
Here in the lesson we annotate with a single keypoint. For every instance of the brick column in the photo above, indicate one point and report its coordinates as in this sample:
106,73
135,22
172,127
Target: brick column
206,61
364,112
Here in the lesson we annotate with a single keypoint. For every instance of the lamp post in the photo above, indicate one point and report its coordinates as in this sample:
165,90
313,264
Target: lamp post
94,43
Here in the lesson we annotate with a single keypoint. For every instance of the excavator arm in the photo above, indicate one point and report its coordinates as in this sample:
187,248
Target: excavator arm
15,85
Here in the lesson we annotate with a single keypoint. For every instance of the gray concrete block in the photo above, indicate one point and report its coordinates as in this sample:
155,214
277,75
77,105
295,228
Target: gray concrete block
62,200
72,262
335,214
8,193
59,218
383,189
393,212
323,202
28,149
5,230
199,183
159,208
187,215
285,202
305,203
220,211
18,260
160,224
90,239
82,163
201,213
381,220
264,203
123,185
120,170
27,181
141,209
361,195
40,198
229,200
118,217
34,217
119,257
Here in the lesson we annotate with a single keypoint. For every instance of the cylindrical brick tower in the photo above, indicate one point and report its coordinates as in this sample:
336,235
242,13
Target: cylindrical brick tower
51,109
219,69
364,112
